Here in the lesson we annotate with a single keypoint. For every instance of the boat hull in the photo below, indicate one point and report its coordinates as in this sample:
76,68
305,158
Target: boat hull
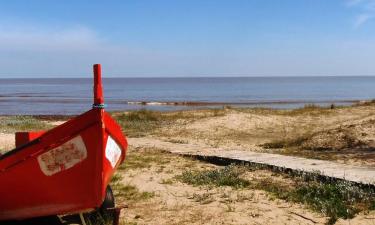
64,171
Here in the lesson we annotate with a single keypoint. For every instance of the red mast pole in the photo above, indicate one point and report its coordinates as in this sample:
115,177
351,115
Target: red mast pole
98,88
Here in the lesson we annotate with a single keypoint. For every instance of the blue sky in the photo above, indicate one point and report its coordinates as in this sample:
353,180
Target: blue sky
148,38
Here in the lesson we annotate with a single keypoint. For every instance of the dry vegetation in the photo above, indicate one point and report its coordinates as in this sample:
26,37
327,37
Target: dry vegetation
344,134
11,124
169,189
160,188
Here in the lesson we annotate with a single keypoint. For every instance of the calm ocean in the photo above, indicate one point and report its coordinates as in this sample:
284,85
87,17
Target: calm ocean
72,96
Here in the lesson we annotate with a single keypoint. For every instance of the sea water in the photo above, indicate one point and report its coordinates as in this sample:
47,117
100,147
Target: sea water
74,95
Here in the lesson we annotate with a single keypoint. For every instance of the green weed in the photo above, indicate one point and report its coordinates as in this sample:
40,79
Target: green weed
129,193
227,176
22,123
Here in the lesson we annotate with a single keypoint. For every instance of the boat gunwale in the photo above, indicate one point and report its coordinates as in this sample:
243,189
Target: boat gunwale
43,136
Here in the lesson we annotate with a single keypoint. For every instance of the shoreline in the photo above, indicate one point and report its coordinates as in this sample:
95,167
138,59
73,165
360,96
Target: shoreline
71,97
171,106
244,103
66,99
337,135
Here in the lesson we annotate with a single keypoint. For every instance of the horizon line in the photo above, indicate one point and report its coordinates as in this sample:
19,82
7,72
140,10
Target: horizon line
163,77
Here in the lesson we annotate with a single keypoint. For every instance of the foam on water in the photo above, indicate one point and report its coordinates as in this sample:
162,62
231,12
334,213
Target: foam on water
72,96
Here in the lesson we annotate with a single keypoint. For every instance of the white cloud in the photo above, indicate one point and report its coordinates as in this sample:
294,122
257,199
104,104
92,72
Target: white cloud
367,8
353,2
361,19
45,39
35,51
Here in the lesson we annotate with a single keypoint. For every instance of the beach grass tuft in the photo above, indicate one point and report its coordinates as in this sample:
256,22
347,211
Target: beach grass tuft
227,176
143,115
127,192
311,109
144,122
145,159
331,140
307,109
22,123
284,143
139,123
334,199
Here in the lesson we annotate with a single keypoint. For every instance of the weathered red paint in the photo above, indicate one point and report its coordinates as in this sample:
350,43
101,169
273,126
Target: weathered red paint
25,137
26,191
98,88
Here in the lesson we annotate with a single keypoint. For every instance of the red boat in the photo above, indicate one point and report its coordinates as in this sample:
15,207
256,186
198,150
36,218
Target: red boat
65,170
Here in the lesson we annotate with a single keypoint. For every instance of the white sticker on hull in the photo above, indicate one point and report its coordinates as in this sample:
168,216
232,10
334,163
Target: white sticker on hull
63,157
112,152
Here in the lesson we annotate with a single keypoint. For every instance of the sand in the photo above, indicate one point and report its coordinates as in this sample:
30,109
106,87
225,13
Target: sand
178,203
7,142
348,134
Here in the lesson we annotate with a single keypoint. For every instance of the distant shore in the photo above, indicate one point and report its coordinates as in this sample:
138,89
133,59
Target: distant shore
72,96
311,130
76,106
245,103
343,134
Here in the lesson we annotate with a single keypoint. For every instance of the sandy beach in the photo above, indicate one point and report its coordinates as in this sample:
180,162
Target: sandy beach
187,112
163,188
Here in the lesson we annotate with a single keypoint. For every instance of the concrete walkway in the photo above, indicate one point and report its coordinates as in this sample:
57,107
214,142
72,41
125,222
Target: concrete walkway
362,175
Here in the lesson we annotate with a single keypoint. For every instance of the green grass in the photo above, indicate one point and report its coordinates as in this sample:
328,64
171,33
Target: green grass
333,199
311,109
167,181
227,176
336,139
22,123
145,159
144,122
129,193
205,198
139,123
285,143
308,109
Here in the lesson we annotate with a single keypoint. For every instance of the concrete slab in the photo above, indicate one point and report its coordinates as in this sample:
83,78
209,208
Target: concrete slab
362,175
